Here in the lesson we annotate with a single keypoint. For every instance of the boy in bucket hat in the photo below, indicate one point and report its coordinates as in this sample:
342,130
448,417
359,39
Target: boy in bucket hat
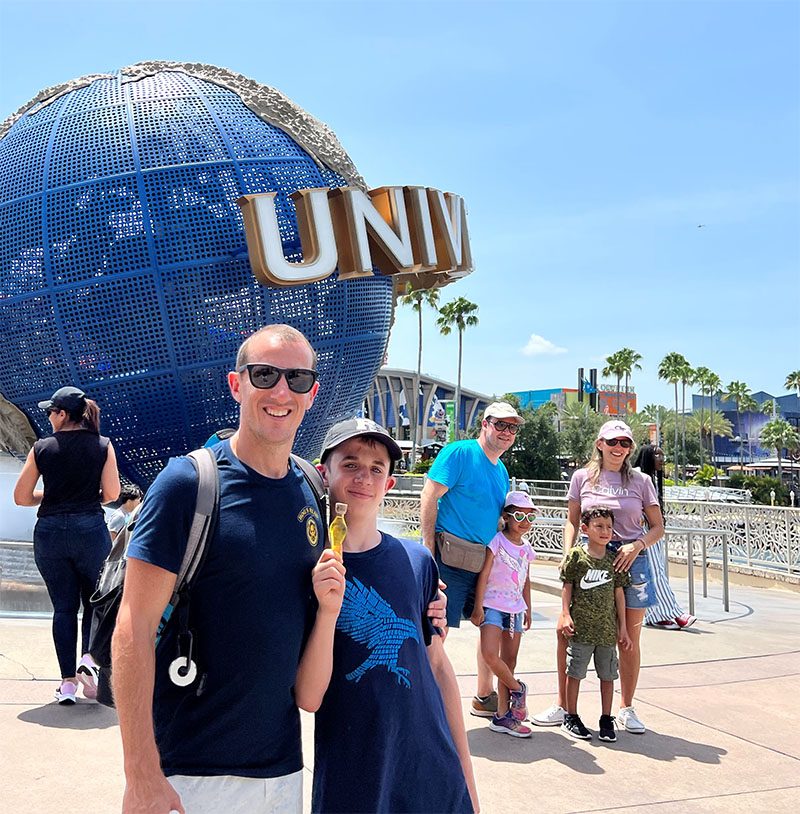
372,649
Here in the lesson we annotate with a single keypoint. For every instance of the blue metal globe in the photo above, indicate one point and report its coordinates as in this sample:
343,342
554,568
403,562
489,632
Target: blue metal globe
124,270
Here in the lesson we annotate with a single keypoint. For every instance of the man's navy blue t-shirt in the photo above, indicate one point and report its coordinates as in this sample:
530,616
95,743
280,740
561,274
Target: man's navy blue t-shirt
250,607
382,741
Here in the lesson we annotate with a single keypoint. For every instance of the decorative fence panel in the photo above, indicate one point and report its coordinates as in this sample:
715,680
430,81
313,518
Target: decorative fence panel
760,537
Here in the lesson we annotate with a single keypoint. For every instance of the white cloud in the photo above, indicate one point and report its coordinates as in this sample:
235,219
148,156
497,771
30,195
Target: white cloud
539,346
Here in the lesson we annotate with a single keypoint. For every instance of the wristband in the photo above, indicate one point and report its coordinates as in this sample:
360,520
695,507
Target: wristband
644,545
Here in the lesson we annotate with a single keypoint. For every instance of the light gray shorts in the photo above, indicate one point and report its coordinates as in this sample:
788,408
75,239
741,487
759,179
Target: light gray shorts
605,660
227,794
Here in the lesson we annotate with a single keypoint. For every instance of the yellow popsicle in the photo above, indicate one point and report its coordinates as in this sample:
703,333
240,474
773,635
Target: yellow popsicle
337,530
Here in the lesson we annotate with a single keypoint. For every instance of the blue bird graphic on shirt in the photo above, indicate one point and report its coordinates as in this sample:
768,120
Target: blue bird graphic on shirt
367,618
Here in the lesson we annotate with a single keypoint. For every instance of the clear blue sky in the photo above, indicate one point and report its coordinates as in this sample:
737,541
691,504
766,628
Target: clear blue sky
589,139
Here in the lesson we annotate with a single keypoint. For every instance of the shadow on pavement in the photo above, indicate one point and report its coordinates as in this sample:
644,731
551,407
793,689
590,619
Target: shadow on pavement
553,745
83,715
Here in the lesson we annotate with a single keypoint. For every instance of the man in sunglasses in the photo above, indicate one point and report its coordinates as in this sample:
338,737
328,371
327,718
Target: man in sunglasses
229,740
461,503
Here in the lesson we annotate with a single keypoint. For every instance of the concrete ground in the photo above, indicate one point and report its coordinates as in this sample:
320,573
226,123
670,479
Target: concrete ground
719,701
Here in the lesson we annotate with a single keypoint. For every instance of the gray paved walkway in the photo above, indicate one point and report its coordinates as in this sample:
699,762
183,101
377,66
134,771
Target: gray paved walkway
720,701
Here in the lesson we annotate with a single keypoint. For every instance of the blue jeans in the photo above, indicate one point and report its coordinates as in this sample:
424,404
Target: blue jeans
69,550
640,594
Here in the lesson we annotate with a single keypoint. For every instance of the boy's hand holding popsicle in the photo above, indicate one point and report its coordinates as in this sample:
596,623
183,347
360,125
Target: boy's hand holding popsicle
327,577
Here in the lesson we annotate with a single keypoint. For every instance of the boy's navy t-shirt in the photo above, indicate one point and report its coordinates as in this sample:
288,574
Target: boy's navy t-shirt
382,741
251,608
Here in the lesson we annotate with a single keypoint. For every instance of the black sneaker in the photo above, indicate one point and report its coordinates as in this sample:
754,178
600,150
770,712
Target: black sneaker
573,726
607,732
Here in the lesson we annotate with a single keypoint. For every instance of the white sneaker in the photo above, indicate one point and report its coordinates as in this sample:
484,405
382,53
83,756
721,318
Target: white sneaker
65,694
629,720
88,674
552,716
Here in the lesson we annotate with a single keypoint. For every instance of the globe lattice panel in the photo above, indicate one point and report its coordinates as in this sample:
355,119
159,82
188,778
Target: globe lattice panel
96,229
124,267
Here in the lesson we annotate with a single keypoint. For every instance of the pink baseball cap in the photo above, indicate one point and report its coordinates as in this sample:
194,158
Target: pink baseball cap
615,429
519,500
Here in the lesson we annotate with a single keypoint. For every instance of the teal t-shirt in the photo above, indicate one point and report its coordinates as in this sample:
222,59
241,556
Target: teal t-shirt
476,490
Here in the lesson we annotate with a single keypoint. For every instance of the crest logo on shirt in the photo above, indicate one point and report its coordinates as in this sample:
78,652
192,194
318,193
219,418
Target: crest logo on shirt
311,531
312,522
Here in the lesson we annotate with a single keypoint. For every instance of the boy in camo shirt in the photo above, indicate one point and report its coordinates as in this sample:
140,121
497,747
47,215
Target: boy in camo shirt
593,617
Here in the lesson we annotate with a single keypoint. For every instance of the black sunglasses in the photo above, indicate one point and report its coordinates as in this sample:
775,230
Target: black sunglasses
502,426
51,410
623,442
265,377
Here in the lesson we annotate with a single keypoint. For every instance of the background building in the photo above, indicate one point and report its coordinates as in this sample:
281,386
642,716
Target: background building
747,425
610,400
393,390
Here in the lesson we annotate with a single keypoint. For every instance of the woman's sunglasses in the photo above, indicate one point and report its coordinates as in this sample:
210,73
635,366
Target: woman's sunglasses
520,516
265,377
623,442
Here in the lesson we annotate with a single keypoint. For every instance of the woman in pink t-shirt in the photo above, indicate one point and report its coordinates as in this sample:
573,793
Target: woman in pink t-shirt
609,480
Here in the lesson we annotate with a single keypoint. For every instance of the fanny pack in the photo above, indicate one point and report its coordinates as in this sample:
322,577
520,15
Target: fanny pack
459,553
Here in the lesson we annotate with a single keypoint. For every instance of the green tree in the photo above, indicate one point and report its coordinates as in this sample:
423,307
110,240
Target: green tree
705,475
793,382
710,422
417,299
769,407
749,406
460,314
670,370
687,377
535,451
779,434
737,391
629,360
700,376
615,366
579,426
713,382
760,487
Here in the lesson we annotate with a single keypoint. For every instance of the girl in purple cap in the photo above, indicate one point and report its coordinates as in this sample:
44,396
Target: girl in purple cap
610,480
70,540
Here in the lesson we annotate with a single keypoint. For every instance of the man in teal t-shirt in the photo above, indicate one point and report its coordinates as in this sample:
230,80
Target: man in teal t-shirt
464,496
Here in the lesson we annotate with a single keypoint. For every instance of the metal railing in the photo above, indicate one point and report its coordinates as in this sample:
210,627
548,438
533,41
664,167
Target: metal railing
762,538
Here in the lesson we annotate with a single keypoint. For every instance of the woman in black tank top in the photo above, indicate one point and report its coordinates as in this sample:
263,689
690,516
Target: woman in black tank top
70,540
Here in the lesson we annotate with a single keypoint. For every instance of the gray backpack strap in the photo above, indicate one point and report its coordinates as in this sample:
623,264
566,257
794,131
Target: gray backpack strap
205,462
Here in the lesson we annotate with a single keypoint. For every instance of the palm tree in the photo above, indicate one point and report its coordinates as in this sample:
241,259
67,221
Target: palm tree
670,370
630,362
700,376
737,391
461,314
793,382
687,377
769,407
615,367
749,405
416,299
713,382
709,423
779,434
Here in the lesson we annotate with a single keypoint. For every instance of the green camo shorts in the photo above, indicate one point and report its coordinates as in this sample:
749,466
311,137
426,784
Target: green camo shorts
605,660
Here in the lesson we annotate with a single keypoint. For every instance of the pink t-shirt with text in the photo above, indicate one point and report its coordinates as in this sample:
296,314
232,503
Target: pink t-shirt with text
627,500
508,575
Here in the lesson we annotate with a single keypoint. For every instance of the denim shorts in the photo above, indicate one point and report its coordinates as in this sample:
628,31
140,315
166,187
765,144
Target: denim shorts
640,594
606,662
503,620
